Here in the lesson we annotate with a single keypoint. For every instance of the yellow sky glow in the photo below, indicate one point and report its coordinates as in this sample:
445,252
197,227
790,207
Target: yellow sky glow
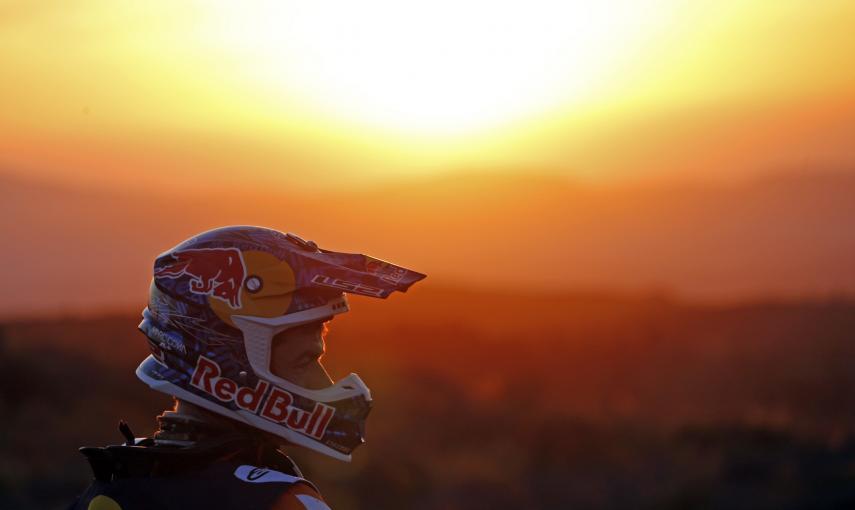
441,67
143,90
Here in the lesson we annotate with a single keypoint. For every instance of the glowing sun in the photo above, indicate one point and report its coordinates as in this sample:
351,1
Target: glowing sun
444,66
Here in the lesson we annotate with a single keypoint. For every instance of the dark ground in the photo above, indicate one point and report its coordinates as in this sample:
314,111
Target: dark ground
498,401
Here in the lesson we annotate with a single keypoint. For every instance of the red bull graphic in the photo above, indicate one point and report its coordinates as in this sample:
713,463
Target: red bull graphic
276,407
216,272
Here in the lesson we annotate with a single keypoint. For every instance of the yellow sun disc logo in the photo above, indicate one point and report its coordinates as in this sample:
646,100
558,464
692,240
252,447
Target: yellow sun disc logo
103,503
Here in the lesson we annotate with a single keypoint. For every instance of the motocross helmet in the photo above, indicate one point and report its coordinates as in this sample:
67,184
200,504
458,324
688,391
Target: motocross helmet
215,304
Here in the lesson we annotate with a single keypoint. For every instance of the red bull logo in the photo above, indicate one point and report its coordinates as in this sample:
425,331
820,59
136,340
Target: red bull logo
216,272
276,407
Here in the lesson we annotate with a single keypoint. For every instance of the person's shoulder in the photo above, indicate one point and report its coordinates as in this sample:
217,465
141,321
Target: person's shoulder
294,492
221,485
102,495
152,477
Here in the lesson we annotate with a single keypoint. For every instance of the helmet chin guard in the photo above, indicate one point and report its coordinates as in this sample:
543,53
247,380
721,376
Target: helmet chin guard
258,333
273,409
218,299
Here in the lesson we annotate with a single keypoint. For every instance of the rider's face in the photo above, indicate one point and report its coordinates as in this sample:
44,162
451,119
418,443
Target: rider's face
296,355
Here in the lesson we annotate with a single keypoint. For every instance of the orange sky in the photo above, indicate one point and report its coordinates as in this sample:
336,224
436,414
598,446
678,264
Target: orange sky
179,94
703,148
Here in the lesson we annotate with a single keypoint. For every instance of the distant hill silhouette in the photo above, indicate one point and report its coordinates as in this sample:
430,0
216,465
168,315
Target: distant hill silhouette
72,249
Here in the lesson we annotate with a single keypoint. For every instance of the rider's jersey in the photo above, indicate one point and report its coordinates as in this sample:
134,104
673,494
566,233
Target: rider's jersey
225,474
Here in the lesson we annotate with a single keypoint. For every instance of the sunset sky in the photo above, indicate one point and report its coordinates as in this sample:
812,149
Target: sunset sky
636,219
320,94
702,148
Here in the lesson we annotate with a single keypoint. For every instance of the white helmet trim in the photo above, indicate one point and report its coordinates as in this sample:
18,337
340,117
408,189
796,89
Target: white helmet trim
258,333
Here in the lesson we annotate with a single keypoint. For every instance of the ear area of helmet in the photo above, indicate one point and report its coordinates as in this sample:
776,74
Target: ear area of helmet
267,276
267,288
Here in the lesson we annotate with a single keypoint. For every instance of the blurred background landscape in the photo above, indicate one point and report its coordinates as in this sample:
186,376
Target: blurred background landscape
636,218
591,401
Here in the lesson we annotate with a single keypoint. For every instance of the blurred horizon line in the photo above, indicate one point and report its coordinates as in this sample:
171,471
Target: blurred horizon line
431,292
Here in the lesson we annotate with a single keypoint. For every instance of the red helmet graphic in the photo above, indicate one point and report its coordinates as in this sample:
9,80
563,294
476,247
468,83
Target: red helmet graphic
217,272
